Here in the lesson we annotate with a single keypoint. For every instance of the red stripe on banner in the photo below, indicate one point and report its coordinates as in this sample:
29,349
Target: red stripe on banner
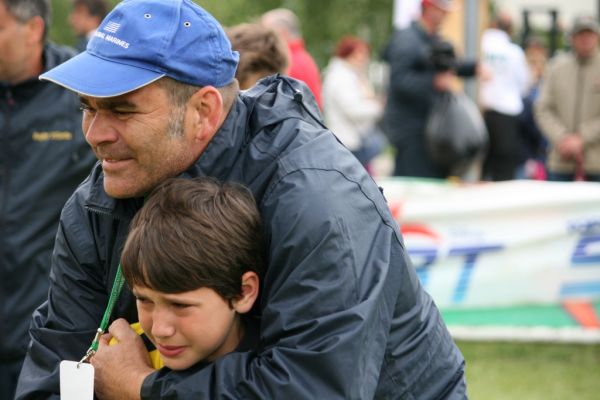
583,312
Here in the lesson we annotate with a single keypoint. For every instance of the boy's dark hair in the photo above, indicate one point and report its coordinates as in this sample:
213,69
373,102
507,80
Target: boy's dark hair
194,233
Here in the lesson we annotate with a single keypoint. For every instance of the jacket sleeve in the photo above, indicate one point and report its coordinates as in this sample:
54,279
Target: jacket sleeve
466,68
326,301
545,108
64,326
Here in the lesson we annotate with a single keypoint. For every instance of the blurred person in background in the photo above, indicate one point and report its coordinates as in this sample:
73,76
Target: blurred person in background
420,67
501,98
262,53
350,106
43,157
534,142
84,18
568,109
302,66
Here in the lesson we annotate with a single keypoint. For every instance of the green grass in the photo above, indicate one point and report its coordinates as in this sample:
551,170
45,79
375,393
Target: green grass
531,371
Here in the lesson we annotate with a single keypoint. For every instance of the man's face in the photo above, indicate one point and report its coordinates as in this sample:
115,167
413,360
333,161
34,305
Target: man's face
435,16
140,138
585,43
187,327
78,18
15,39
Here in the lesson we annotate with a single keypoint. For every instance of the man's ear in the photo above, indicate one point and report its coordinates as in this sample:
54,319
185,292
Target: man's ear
206,108
250,286
35,27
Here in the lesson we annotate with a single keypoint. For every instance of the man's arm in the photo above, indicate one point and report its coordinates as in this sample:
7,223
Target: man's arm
64,326
327,302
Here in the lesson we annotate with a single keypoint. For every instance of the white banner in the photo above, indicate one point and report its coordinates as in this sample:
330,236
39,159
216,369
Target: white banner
498,244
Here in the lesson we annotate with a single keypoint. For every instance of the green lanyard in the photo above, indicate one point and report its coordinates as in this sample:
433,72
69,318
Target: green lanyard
114,295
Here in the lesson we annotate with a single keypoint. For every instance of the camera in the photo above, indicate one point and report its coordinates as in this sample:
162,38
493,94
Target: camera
443,56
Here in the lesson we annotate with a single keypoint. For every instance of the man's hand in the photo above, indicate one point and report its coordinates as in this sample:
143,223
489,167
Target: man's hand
120,369
444,81
570,147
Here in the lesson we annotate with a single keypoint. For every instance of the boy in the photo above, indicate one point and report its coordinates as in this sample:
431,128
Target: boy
192,259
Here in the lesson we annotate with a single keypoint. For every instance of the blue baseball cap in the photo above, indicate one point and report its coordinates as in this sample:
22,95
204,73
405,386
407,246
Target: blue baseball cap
141,41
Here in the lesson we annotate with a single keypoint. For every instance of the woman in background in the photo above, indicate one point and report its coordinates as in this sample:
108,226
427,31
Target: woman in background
352,110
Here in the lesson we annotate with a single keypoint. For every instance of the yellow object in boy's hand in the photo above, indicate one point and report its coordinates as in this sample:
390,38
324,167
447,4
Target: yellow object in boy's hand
155,359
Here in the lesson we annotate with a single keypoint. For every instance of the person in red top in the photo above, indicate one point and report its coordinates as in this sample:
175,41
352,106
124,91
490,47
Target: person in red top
302,65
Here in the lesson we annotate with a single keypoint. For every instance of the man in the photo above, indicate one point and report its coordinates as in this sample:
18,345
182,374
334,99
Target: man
502,99
342,312
84,18
417,73
43,157
302,65
568,108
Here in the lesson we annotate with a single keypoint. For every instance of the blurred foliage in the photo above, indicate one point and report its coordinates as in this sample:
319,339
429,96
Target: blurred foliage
324,22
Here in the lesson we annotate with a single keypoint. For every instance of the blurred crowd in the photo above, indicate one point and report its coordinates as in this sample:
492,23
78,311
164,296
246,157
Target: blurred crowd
531,128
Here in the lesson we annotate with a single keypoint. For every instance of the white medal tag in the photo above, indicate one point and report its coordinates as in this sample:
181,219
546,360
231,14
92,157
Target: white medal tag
76,381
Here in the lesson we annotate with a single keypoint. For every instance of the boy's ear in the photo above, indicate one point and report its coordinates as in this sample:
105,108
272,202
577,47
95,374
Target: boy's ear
250,285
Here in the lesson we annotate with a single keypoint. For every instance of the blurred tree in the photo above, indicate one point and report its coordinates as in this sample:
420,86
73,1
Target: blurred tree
323,22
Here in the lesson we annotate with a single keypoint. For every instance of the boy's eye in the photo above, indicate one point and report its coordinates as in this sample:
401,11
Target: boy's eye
143,300
181,305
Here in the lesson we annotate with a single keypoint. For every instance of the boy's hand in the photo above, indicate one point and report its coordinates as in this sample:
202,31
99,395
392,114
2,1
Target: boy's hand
120,369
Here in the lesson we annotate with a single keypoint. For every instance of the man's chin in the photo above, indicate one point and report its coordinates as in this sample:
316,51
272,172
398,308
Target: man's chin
122,191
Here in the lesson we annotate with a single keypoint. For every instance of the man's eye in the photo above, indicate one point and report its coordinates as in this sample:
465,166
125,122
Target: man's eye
85,108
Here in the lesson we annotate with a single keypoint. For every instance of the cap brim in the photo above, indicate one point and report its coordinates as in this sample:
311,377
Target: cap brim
93,76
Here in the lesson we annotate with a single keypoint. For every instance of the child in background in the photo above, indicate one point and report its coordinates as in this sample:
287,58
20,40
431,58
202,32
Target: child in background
192,259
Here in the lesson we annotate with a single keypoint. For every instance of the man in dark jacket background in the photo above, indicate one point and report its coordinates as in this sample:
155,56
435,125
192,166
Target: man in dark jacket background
417,73
43,157
343,315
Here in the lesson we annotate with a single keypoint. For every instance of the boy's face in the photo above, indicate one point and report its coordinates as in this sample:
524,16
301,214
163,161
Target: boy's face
188,327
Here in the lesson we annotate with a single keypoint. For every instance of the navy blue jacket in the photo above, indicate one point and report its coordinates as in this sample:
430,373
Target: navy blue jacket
43,157
343,313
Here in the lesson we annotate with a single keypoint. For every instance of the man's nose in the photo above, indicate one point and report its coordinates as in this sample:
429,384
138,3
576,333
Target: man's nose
98,129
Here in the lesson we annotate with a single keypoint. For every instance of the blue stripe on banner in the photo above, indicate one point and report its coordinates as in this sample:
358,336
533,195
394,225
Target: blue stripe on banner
580,288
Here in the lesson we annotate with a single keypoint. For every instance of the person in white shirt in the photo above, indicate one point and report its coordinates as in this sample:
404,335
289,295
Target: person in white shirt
502,99
351,108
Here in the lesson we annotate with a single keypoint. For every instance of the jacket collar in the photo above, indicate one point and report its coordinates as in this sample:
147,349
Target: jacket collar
222,151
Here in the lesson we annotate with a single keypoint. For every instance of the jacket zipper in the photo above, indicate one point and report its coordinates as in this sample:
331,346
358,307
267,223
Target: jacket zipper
4,170
4,187
102,211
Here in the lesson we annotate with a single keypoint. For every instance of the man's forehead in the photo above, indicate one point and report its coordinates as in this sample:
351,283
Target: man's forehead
105,102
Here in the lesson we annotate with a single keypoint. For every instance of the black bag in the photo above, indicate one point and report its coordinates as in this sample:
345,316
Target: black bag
455,131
